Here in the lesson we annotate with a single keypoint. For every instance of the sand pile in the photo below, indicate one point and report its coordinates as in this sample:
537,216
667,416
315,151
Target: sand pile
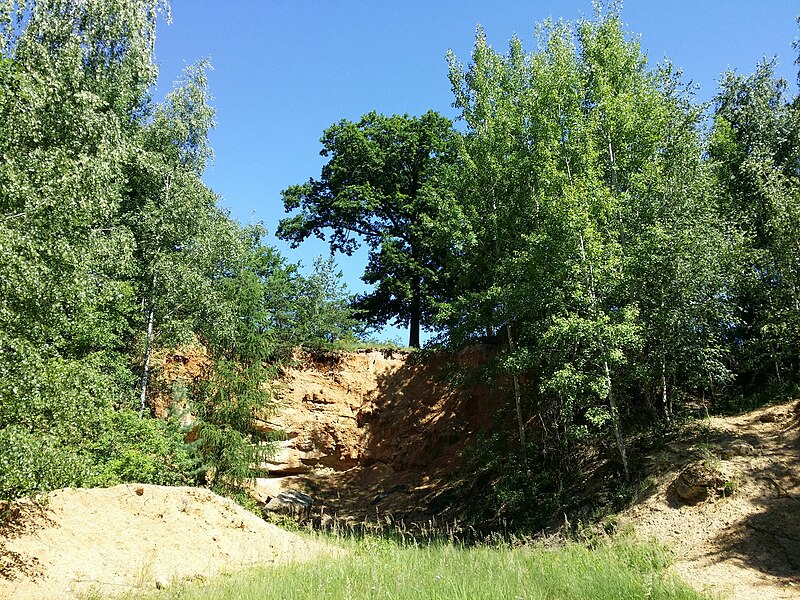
133,537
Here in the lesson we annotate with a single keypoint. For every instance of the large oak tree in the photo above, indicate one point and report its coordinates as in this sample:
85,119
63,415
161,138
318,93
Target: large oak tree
384,185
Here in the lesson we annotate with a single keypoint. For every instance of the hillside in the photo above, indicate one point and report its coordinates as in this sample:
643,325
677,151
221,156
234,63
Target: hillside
744,545
376,436
373,436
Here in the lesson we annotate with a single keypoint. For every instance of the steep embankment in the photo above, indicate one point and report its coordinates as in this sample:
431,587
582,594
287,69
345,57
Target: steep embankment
366,431
374,432
744,541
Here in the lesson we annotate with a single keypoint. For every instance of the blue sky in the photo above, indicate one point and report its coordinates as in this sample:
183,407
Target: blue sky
284,70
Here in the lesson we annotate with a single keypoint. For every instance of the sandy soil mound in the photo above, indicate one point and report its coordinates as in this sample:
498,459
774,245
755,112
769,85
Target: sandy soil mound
744,542
133,537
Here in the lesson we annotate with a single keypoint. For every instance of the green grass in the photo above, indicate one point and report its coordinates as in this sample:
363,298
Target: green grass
379,568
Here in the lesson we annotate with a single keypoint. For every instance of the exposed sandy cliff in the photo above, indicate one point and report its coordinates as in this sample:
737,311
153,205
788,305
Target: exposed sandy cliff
374,432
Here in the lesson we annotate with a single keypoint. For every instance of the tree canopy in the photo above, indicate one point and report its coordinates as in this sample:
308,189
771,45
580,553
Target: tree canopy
625,258
385,184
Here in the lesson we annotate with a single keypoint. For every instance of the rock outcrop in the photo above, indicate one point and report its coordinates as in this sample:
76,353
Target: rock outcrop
698,482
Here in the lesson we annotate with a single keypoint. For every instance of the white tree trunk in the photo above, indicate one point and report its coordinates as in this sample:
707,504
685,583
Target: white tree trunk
148,350
616,424
664,399
518,405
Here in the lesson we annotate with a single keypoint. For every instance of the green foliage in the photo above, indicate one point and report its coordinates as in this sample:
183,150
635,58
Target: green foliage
322,312
545,256
111,245
384,185
226,404
503,495
123,449
754,154
600,240
61,428
131,449
33,463
624,254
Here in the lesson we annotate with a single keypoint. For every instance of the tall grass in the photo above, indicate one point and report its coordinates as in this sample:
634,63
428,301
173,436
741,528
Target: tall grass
380,568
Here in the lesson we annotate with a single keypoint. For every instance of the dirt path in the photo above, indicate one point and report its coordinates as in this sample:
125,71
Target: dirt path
132,537
742,546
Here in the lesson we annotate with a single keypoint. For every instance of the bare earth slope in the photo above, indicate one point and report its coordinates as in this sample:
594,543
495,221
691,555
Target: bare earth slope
131,537
742,546
373,434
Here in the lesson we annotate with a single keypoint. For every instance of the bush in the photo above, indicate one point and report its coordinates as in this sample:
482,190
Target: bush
147,450
32,463
60,426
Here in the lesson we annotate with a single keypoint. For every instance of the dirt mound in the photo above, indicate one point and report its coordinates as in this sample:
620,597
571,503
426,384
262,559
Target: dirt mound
132,537
745,541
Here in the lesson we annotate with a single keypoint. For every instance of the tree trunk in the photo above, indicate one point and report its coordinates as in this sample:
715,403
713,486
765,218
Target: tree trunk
413,329
616,424
613,165
416,314
664,400
518,405
148,350
612,402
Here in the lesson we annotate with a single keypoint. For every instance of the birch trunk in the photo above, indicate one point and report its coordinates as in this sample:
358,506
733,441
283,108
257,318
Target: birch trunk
148,350
615,423
664,399
518,405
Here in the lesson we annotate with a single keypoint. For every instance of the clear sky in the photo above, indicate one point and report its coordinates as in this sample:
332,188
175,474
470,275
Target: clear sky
284,70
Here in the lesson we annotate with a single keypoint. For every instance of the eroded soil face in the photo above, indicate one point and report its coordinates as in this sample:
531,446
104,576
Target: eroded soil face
375,434
745,542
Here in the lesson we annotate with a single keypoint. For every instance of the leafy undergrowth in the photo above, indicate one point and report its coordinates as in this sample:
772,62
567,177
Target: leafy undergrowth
380,568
